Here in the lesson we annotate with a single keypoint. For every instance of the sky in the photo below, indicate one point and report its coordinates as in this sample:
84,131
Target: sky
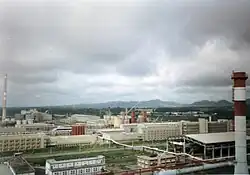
59,52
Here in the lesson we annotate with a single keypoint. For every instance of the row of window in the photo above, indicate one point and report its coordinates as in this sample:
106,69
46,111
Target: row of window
78,164
79,171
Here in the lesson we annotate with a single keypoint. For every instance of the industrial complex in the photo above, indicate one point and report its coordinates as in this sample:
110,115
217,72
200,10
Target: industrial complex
124,144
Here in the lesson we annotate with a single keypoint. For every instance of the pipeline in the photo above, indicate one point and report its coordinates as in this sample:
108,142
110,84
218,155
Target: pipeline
153,149
195,168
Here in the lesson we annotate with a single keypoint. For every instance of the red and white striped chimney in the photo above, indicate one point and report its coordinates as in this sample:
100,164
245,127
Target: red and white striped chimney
239,98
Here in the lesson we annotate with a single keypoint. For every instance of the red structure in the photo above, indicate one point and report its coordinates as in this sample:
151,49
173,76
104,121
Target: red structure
78,129
133,119
240,111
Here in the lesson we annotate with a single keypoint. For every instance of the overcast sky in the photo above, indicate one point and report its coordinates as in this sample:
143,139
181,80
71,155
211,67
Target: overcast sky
82,51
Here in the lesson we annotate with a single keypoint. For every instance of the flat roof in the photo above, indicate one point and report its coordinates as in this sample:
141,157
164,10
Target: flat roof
210,138
5,170
73,139
54,161
21,136
20,165
111,130
166,156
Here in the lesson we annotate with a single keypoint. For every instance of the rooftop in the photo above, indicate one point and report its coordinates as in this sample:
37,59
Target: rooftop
20,165
124,136
111,130
53,161
210,138
74,139
11,129
21,136
5,170
168,156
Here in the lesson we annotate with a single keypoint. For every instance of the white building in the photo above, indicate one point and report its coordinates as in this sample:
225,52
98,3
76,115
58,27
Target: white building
159,131
86,166
73,140
147,162
131,127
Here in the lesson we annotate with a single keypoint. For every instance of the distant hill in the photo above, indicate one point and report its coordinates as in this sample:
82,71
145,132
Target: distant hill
128,104
155,104
208,103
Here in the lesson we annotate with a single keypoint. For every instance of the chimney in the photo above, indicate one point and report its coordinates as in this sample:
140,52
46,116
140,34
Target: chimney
239,98
4,97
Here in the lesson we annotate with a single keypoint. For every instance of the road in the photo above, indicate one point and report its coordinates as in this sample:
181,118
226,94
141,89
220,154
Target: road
44,155
65,153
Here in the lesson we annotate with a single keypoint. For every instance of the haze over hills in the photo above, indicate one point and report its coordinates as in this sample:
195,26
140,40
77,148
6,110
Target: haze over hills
155,104
211,103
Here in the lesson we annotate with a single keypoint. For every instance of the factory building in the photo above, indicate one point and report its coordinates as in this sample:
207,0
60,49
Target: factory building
215,127
11,130
152,161
188,127
73,141
22,142
86,166
158,131
35,127
121,136
35,115
211,145
161,131
61,131
19,166
93,126
78,129
132,127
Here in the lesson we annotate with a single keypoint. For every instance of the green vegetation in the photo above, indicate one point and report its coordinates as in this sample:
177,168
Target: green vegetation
115,159
224,112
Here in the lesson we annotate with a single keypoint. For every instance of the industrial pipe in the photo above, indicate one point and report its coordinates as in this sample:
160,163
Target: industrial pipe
195,168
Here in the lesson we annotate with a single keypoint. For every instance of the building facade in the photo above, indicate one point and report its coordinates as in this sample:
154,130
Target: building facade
22,142
147,162
78,129
158,131
86,166
188,127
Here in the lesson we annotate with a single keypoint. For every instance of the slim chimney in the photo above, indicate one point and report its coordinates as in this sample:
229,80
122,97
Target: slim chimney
4,97
239,98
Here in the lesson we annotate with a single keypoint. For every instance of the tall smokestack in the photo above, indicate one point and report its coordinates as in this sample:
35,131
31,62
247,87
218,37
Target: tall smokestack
239,98
4,97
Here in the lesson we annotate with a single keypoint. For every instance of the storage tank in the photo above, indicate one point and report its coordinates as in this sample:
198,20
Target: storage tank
18,122
78,129
24,122
117,122
141,118
30,121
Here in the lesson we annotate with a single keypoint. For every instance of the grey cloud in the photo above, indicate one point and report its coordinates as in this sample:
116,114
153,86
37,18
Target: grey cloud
210,81
41,39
